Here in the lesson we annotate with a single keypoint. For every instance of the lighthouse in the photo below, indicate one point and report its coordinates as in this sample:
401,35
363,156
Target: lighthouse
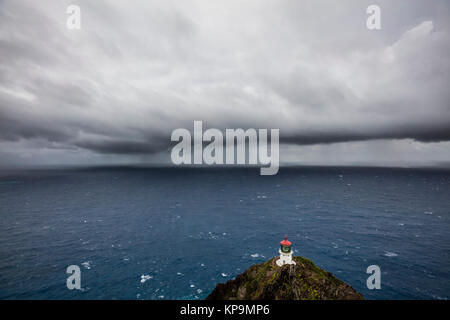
285,253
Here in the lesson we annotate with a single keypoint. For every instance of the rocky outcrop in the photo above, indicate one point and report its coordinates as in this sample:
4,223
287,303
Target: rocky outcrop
302,281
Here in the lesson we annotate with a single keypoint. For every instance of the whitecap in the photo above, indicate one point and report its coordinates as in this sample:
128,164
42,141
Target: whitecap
86,264
224,274
390,254
145,277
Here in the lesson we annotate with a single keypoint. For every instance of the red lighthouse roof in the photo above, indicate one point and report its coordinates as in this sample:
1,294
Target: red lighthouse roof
285,242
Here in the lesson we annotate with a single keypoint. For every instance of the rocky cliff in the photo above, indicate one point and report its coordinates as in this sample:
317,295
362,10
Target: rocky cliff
267,281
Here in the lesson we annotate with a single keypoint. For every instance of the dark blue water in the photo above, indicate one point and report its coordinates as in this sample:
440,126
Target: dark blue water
189,229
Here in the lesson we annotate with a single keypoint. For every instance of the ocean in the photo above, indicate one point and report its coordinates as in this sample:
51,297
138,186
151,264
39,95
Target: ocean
174,233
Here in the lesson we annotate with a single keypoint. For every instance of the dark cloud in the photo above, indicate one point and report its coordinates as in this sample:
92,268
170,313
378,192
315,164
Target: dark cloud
122,147
136,71
437,133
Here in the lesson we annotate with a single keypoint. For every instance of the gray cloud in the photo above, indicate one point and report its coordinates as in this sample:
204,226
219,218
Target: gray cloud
136,71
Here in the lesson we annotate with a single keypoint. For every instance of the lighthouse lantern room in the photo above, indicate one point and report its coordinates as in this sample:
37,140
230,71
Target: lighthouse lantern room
285,253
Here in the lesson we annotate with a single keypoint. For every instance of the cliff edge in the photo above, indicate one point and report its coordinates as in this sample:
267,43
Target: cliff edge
302,281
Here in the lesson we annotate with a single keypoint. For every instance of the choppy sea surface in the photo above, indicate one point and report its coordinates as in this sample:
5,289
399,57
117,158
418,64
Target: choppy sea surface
175,233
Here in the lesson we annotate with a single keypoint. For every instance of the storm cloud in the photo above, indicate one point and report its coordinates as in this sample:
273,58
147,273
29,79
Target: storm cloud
136,70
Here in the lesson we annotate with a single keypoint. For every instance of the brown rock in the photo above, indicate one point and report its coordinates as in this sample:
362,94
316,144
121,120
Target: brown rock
267,281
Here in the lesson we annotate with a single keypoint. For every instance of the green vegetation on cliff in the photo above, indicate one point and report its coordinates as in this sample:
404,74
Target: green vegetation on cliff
267,281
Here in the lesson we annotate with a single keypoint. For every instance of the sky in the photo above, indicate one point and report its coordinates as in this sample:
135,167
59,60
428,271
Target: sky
114,90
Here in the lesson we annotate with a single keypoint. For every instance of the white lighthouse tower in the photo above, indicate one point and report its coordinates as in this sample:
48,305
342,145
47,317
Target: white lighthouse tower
285,253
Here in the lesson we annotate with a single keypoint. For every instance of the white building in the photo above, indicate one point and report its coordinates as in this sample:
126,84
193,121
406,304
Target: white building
285,253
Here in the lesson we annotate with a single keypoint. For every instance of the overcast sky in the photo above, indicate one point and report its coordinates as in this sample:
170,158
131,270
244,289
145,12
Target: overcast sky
113,91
